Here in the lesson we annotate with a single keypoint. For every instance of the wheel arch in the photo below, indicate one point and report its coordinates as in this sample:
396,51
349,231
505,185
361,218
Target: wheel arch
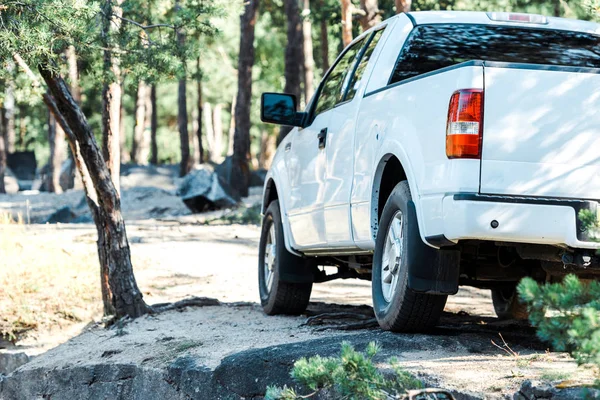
391,169
269,194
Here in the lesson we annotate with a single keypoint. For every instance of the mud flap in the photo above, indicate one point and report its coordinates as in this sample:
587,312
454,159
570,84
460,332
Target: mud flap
430,270
297,272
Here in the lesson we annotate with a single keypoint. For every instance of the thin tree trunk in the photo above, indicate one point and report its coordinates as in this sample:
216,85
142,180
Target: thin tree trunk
73,73
309,60
153,127
199,116
324,46
294,55
210,132
346,22
22,126
138,145
126,296
218,132
231,132
268,146
2,149
371,15
182,119
403,6
56,138
125,155
10,135
111,92
240,173
557,8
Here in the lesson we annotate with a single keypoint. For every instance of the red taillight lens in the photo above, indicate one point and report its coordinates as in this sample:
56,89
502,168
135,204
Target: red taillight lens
465,124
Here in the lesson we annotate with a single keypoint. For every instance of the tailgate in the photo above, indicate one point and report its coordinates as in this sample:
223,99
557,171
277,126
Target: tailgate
541,132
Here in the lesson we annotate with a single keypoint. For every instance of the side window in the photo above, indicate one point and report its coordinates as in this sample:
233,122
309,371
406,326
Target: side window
362,66
332,91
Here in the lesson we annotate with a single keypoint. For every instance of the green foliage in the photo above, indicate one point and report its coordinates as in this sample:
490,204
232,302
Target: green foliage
352,375
567,315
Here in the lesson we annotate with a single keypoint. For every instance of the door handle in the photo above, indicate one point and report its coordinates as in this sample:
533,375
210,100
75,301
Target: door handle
288,146
322,136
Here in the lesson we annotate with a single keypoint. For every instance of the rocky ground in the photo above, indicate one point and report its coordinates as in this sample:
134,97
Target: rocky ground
232,350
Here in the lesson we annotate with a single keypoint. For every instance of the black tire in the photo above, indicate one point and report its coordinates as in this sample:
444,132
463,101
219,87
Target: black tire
507,304
282,297
406,310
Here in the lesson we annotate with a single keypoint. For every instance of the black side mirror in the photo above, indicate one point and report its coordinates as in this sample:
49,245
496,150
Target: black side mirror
278,108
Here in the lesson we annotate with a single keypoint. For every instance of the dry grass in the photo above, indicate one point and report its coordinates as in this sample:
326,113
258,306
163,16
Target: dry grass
44,282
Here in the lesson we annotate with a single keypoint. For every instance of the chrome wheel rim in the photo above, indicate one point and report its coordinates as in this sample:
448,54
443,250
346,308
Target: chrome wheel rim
270,258
393,251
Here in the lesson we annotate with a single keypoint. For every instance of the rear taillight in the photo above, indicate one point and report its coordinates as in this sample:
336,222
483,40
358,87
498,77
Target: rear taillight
465,124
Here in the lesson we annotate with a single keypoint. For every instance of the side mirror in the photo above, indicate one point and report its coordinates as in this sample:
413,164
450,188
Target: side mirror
277,108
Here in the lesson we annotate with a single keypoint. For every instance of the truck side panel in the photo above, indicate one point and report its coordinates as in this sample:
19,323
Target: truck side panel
409,121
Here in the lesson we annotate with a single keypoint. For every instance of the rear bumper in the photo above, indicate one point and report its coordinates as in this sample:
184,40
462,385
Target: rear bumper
519,219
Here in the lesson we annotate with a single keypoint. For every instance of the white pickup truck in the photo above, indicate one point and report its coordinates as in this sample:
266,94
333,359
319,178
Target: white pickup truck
440,149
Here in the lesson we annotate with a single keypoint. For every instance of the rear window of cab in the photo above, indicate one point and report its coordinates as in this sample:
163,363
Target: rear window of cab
431,47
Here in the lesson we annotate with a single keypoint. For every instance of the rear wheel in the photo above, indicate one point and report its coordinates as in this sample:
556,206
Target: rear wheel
277,296
397,307
507,305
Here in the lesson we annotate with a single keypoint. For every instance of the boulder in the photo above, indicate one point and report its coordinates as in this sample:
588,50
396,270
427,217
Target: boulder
162,177
10,361
257,178
63,215
202,190
23,164
69,176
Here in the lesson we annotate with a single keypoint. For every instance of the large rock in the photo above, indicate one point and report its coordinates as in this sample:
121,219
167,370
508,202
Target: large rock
162,177
10,361
257,178
24,165
202,190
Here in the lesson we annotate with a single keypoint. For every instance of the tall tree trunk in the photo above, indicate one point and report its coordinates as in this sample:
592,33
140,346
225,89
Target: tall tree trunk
22,126
182,119
231,132
73,74
294,55
556,8
309,60
2,148
240,174
125,155
126,296
186,165
111,92
10,135
199,105
139,146
371,15
217,117
346,22
324,45
56,138
268,146
153,127
403,6
210,132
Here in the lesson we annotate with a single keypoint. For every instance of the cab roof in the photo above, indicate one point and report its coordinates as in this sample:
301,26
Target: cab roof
479,17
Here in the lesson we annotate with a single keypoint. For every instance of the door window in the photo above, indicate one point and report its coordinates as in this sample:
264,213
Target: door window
332,91
362,65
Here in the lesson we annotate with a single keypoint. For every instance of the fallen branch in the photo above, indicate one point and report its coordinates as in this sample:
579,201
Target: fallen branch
181,304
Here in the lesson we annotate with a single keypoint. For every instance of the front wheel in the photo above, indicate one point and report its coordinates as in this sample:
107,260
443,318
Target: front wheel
277,296
397,307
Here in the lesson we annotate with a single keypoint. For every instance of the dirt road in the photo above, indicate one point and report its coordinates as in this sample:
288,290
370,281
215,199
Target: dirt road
179,257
